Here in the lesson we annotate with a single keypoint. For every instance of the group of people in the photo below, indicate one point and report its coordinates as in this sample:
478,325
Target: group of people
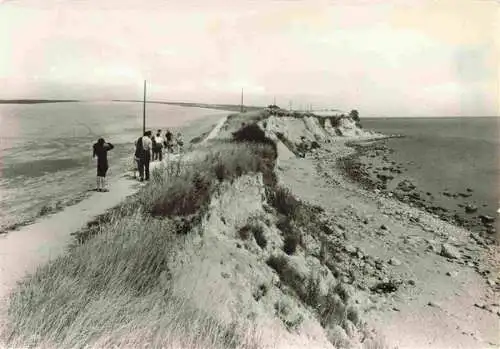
147,148
167,142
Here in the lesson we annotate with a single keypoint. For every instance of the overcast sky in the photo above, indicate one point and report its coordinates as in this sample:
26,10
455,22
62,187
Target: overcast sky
406,57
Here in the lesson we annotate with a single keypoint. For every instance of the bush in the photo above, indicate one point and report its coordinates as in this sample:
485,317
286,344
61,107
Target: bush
283,201
354,114
185,198
278,263
291,242
253,133
260,238
335,121
254,228
313,293
189,191
246,231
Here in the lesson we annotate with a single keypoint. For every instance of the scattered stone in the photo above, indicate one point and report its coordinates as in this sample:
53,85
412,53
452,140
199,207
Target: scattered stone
386,287
486,219
491,231
394,261
396,309
480,305
406,186
469,208
452,273
350,249
449,251
469,190
433,304
225,275
383,227
411,282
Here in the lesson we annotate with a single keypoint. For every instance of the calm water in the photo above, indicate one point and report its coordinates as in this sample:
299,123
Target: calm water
45,149
448,154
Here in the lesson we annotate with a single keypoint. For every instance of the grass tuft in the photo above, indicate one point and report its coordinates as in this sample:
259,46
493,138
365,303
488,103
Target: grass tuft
283,201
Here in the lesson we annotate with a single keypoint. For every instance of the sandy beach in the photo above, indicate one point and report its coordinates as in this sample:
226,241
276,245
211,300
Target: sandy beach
446,301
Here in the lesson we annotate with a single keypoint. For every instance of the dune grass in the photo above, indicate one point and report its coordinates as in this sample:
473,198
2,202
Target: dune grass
115,283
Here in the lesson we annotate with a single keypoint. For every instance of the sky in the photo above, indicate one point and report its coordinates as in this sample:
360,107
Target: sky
384,58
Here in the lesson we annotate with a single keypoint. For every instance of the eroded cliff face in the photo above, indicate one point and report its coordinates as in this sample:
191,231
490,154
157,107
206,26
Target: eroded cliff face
238,266
313,127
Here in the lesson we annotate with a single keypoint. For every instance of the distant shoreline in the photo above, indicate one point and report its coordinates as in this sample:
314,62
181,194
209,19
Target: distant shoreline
225,107
37,101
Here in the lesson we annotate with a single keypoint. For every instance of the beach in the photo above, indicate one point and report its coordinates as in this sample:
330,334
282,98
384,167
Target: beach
438,300
447,166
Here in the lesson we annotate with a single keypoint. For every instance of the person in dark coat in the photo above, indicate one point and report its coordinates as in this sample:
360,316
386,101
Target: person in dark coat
101,149
169,141
143,150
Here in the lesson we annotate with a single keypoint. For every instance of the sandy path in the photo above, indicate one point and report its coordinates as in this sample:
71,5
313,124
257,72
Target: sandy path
22,251
405,317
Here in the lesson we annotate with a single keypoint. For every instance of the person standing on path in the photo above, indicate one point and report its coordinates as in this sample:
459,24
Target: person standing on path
180,142
169,142
158,146
143,148
101,149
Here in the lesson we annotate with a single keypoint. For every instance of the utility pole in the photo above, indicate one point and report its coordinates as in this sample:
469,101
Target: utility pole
290,105
241,109
274,103
144,110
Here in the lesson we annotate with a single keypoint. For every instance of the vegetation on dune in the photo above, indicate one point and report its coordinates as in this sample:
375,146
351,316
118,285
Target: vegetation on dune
114,285
116,275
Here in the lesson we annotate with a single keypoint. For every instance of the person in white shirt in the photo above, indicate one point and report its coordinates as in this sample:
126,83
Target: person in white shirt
143,147
158,146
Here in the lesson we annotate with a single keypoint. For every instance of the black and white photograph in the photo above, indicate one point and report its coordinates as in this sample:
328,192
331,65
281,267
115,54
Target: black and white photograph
243,174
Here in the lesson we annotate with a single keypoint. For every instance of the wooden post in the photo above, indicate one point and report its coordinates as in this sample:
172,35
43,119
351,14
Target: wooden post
241,109
144,110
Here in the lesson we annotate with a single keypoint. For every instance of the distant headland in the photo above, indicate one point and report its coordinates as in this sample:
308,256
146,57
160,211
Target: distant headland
36,101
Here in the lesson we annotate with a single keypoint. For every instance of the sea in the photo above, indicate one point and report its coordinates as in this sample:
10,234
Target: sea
448,154
46,149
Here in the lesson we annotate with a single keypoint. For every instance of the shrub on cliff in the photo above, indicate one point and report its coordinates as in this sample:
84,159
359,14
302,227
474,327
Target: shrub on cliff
191,191
354,114
254,134
283,200
268,151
